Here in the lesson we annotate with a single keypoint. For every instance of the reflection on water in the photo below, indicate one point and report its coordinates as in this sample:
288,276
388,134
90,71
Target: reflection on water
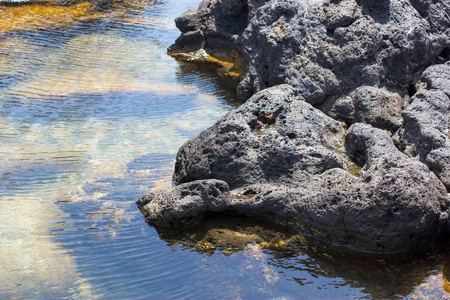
281,253
89,64
92,112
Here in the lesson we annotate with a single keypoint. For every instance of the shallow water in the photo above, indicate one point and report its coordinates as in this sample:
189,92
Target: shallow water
92,113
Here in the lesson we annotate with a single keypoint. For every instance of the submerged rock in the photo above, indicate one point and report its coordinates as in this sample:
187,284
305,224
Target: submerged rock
400,274
285,154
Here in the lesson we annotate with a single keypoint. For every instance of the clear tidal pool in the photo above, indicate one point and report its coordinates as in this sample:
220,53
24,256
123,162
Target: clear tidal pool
92,113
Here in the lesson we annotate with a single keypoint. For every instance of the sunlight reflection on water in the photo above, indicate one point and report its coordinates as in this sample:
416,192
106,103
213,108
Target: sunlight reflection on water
77,109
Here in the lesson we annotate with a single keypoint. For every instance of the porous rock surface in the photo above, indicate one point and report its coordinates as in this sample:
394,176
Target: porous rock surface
321,48
274,136
425,133
185,203
286,154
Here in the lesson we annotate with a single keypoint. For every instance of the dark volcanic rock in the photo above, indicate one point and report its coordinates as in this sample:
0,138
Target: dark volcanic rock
323,48
368,104
214,27
285,156
340,52
437,77
280,157
319,47
185,203
396,205
425,134
274,136
439,162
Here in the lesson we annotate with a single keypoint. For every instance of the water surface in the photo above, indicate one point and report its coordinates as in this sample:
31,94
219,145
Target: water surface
92,113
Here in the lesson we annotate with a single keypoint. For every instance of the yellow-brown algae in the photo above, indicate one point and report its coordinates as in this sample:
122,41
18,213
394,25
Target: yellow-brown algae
230,68
35,16
354,170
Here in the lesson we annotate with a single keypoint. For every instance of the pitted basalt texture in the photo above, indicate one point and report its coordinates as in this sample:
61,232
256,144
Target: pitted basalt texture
339,54
425,134
368,104
396,205
274,136
285,154
186,203
324,48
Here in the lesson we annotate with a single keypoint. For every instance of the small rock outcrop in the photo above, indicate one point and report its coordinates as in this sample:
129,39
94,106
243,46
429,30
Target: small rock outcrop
186,203
344,134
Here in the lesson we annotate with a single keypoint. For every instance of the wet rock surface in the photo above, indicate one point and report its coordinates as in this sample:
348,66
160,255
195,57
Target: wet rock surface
314,68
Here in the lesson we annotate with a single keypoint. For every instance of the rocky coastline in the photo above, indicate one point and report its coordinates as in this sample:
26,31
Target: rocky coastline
344,132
